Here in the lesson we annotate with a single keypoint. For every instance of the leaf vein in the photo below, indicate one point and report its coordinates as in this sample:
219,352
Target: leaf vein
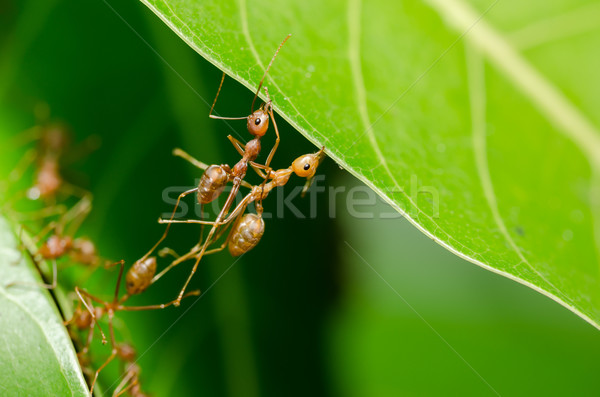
354,31
477,99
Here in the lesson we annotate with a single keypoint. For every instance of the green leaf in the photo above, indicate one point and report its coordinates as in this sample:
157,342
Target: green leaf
467,117
36,355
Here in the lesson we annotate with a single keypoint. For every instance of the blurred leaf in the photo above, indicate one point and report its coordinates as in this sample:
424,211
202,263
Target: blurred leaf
466,118
36,355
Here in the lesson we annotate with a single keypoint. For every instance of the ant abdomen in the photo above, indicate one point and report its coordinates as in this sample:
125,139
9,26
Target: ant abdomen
212,183
139,276
246,234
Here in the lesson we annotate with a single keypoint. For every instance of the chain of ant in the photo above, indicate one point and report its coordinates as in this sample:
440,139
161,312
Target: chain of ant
59,243
245,230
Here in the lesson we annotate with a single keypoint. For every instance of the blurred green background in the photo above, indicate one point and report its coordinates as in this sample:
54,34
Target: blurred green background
340,306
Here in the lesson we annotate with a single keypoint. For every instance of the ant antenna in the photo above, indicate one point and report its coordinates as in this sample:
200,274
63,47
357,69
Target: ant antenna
267,71
217,97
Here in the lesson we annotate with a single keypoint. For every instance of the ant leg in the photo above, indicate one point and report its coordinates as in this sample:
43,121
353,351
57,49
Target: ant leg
166,232
23,164
215,223
196,221
276,145
196,249
180,153
177,301
201,226
116,297
224,210
163,253
199,222
121,389
90,336
224,244
113,353
157,307
259,201
24,137
76,214
182,258
80,293
258,168
219,234
176,262
52,226
47,212
239,146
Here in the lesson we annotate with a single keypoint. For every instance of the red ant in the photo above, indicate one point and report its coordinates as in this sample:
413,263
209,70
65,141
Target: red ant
138,278
247,229
131,381
83,320
60,244
215,177
54,140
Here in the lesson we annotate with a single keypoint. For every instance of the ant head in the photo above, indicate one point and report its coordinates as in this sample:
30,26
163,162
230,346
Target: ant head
306,166
258,121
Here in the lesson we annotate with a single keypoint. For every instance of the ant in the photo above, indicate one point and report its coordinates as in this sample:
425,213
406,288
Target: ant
247,229
53,143
137,280
215,177
60,244
82,319
130,382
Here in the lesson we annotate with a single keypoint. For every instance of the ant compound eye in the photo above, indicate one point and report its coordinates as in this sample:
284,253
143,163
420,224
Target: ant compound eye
306,167
257,121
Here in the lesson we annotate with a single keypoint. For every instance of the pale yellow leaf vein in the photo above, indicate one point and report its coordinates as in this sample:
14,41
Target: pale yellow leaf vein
579,21
549,100
354,32
477,100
